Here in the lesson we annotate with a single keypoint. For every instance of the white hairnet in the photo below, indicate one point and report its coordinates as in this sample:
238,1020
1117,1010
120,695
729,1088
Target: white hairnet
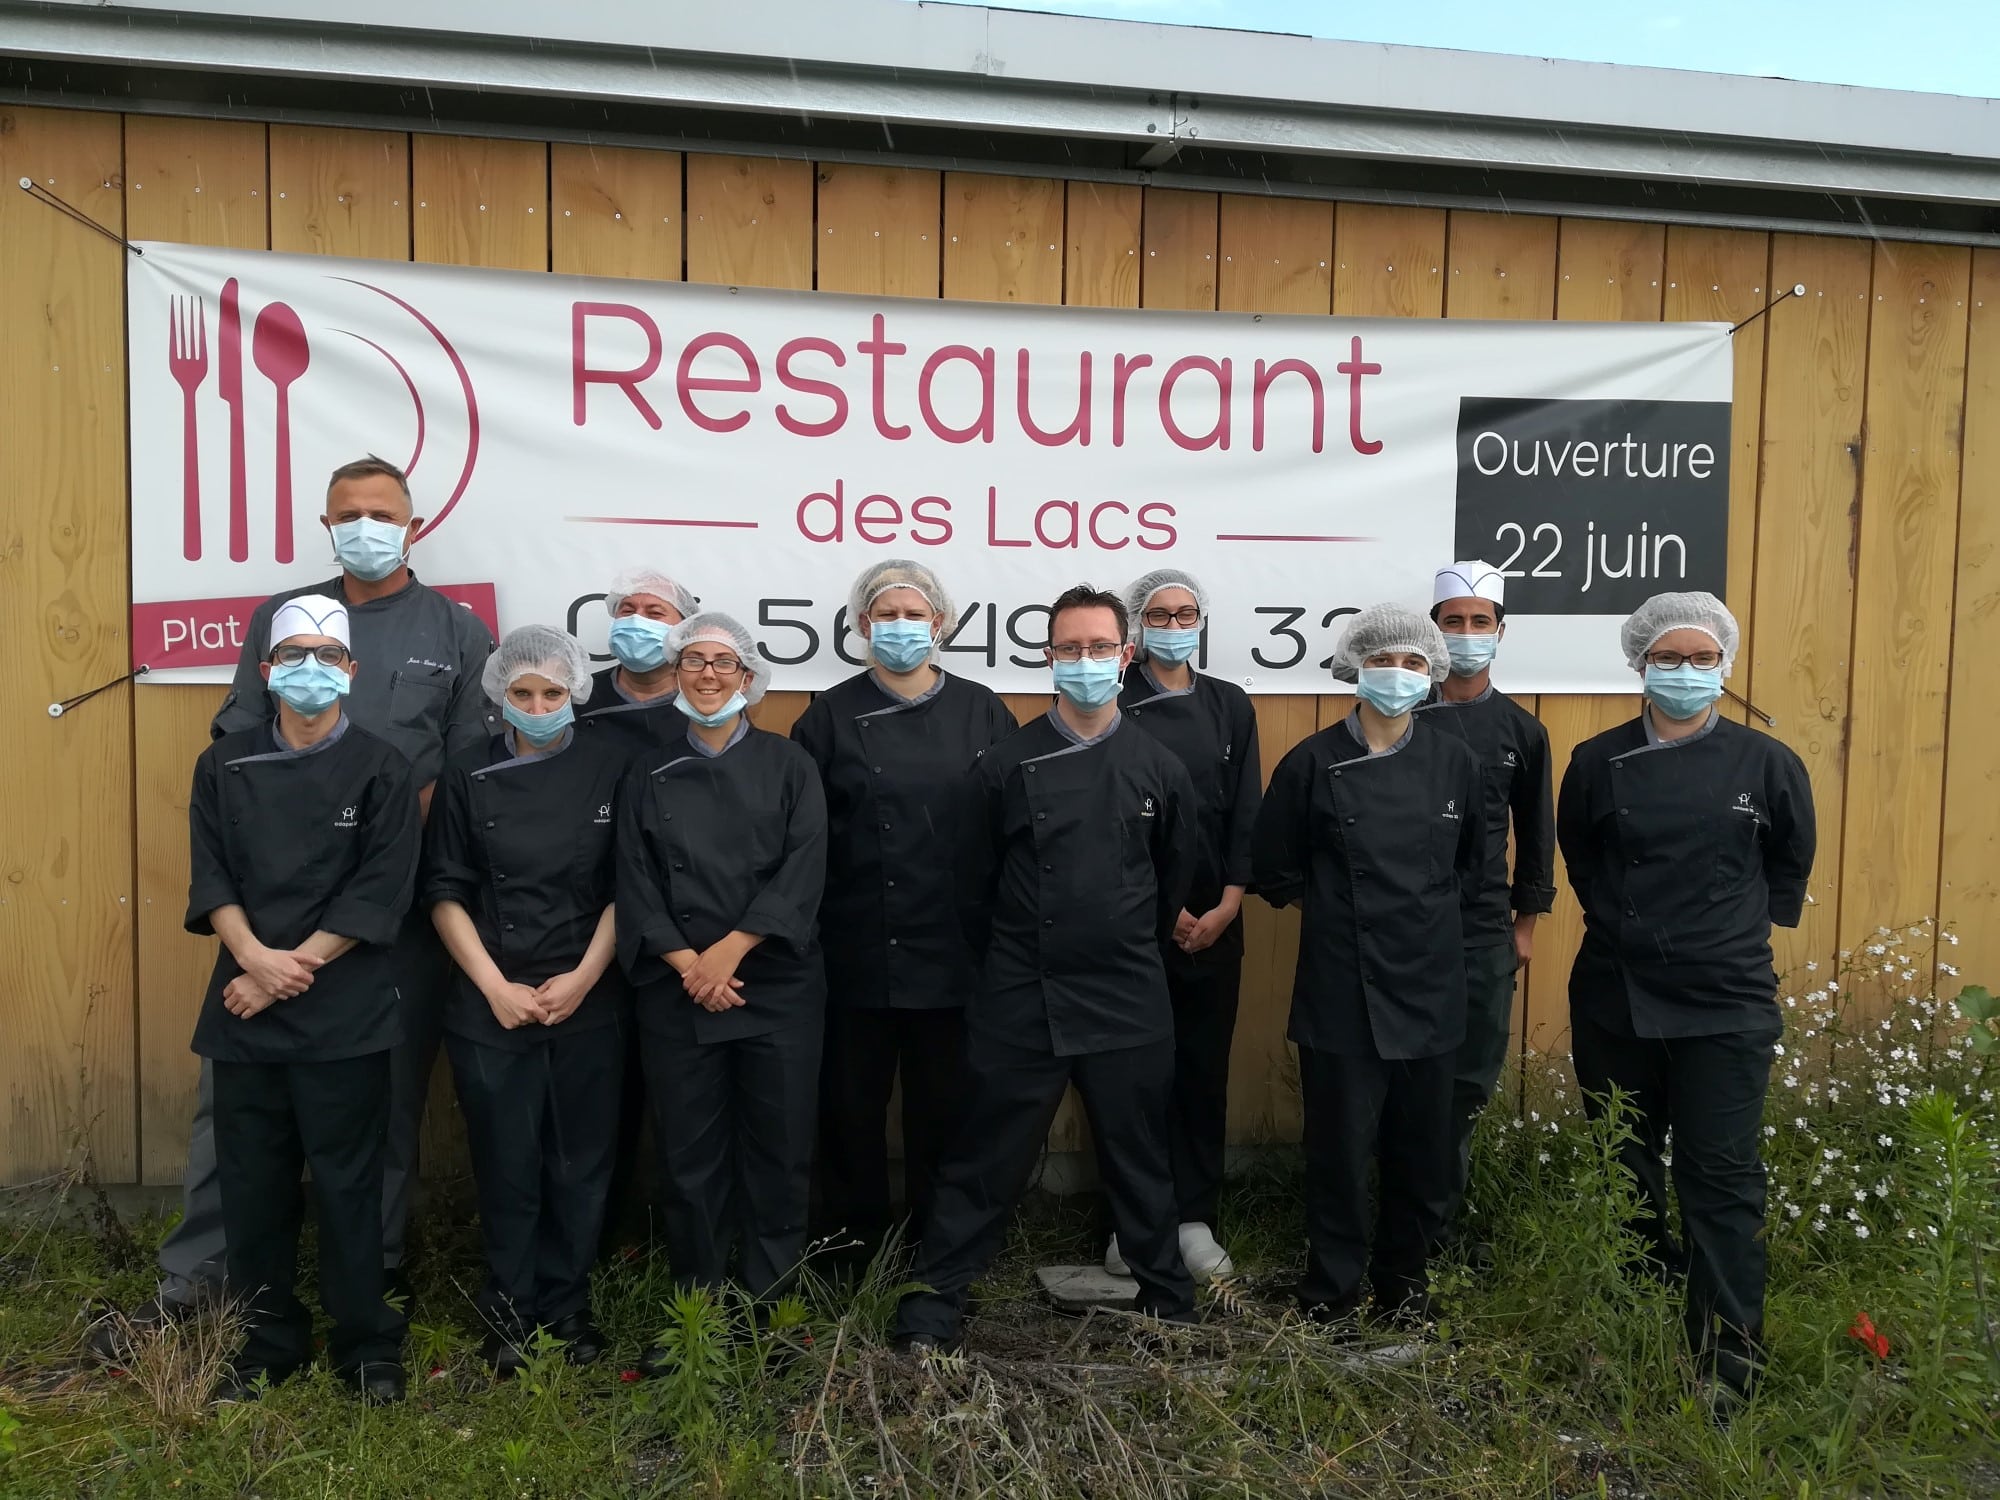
1139,593
649,581
541,649
1389,627
1665,612
896,573
715,627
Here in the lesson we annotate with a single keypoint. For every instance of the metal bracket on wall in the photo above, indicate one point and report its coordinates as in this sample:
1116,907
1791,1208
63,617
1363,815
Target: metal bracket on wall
1178,134
42,195
57,710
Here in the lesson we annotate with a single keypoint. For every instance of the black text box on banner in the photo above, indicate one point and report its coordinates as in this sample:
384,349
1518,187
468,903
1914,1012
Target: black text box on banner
1592,507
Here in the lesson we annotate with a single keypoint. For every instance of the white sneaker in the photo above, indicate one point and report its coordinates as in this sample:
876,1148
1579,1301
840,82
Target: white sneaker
1114,1263
1202,1256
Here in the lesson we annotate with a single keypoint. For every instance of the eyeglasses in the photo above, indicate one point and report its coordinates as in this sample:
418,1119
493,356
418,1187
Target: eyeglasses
1160,619
1667,660
291,656
722,666
1096,651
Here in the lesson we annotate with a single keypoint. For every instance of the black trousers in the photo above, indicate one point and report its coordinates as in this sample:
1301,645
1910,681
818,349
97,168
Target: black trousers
424,977
1361,1112
625,1200
1204,1002
1489,1027
733,1131
542,1124
271,1121
1012,1100
865,1050
1709,1090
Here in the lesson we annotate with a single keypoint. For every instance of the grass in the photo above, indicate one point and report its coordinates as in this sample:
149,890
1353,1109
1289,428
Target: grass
1560,1373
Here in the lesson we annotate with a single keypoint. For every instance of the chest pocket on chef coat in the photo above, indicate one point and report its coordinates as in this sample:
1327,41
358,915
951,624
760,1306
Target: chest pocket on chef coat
1735,833
1445,827
417,697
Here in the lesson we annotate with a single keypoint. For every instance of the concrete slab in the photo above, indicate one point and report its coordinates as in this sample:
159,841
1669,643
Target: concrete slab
1080,1288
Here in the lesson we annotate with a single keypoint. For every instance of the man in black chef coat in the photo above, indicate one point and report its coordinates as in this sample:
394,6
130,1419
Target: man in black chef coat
1687,836
1469,606
419,656
303,857
1078,845
1374,826
632,700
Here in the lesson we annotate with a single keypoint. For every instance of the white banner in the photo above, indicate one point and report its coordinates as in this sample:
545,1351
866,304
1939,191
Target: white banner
763,447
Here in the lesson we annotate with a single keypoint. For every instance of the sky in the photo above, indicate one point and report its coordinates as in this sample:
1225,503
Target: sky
1934,46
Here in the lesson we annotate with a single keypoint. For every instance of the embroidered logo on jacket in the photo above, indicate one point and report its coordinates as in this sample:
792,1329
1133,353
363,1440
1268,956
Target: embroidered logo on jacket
1451,809
603,813
1744,804
347,817
1147,810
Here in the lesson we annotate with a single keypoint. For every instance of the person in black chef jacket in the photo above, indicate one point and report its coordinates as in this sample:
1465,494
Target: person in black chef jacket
630,708
304,840
893,743
1077,848
721,862
1469,605
1686,837
1374,827
518,879
1210,725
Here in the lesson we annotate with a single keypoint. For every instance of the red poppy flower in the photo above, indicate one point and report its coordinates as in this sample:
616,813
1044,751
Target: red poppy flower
628,1376
1863,1332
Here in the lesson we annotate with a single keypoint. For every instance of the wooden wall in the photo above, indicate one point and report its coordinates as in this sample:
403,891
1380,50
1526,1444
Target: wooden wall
1863,542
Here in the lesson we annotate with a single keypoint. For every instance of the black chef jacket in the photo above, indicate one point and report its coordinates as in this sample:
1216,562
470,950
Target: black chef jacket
714,844
321,839
524,844
1683,855
893,768
1384,852
647,728
1075,863
419,657
1513,752
1213,729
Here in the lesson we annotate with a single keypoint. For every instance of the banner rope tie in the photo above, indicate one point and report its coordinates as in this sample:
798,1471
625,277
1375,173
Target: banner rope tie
1769,722
41,194
1798,290
57,710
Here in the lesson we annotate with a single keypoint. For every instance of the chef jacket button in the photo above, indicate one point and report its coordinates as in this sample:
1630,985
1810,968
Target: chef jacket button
235,770
885,827
1350,820
1624,812
679,866
1635,861
239,820
892,885
1048,869
1336,770
892,942
499,877
687,916
1631,911
507,926
1041,817
1048,921
489,822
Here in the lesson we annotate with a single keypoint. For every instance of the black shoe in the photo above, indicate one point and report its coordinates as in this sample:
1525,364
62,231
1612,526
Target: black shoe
654,1361
111,1336
583,1341
916,1346
504,1354
380,1384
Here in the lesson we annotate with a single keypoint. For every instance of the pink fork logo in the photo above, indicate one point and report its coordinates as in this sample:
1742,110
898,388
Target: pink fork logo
282,353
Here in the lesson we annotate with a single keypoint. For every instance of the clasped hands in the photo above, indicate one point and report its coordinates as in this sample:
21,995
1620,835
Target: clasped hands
709,977
269,975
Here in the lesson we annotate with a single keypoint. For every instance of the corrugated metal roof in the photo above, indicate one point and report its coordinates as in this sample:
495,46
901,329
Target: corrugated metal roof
1004,89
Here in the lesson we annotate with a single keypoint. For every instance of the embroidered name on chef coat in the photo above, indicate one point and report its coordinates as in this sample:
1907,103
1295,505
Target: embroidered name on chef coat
347,818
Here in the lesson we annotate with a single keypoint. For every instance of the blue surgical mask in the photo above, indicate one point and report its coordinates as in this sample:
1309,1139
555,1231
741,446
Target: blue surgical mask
900,645
1172,646
310,686
722,715
370,550
538,729
1088,684
1684,691
639,643
1471,654
1393,690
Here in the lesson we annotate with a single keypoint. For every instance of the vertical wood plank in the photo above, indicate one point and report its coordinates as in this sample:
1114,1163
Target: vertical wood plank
1719,275
480,202
1968,890
615,211
1177,270
199,182
1606,272
1102,222
879,230
340,192
1808,514
1003,238
1276,257
1903,586
749,221
1388,262
66,871
1500,265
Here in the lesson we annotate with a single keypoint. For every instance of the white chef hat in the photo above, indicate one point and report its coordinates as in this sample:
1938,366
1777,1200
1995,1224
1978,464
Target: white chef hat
311,614
1471,579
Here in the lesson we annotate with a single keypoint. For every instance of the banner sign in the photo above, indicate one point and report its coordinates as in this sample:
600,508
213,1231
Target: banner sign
763,447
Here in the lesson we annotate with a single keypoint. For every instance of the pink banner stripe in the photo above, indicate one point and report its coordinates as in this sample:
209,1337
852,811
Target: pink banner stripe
661,521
